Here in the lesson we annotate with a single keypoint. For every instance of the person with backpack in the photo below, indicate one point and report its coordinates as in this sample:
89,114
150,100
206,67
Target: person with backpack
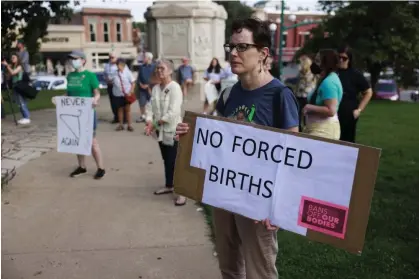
15,71
248,248
323,103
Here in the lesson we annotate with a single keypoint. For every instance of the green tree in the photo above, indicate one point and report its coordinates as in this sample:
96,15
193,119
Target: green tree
234,9
140,25
28,20
382,34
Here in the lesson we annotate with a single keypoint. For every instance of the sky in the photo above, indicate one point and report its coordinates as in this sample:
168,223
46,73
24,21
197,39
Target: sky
139,7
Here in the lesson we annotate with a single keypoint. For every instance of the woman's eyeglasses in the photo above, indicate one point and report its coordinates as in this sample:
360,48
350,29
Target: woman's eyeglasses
343,58
239,47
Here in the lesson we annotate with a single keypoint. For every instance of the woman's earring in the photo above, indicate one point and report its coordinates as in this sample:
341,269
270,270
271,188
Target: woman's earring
260,69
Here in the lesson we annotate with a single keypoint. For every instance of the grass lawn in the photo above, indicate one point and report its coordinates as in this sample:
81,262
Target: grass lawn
42,101
391,249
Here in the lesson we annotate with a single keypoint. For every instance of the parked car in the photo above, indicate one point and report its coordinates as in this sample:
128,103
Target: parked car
387,89
102,81
50,83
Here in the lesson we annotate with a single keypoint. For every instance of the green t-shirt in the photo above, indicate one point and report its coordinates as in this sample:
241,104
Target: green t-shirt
330,88
18,77
81,84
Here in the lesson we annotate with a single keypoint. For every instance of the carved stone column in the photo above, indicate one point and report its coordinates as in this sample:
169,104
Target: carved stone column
193,29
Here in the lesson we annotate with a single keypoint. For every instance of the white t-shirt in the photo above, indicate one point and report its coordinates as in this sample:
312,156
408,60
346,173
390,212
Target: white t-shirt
127,79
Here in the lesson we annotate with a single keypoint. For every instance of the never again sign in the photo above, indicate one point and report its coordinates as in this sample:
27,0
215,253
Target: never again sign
74,124
265,174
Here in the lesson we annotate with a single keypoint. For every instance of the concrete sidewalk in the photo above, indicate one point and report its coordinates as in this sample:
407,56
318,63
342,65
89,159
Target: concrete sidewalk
54,226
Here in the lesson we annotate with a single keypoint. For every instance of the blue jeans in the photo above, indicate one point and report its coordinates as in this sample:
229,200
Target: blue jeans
21,103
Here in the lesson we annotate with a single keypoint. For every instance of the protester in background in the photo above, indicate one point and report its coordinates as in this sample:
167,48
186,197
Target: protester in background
355,85
84,83
248,248
15,71
123,86
164,112
213,74
323,103
24,60
306,84
145,71
110,71
185,76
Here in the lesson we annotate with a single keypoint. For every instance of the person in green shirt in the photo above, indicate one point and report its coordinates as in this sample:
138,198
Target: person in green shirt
84,83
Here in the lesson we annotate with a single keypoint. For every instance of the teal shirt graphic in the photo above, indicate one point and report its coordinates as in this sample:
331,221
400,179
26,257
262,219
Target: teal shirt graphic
330,88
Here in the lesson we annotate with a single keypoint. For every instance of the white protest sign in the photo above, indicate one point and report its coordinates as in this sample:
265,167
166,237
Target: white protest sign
74,124
297,183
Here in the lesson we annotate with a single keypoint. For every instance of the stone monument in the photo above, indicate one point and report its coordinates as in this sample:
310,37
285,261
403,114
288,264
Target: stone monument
193,29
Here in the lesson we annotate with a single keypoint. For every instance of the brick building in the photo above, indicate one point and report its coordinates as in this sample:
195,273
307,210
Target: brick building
293,39
96,31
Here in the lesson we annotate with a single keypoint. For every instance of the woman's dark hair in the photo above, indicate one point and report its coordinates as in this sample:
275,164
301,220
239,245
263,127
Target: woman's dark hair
18,59
329,61
217,68
347,50
260,30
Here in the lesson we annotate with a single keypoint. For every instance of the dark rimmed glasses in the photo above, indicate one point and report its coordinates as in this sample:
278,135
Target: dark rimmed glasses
239,47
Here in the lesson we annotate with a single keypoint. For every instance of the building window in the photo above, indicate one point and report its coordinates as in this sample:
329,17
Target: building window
92,29
118,32
106,32
284,39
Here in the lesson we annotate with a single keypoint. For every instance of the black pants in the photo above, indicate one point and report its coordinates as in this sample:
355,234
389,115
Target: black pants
347,125
302,101
168,154
114,104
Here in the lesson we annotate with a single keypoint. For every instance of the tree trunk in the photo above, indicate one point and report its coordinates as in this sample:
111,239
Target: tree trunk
374,70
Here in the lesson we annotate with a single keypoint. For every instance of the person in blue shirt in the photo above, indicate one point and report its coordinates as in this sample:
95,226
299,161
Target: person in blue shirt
145,72
185,76
247,248
323,103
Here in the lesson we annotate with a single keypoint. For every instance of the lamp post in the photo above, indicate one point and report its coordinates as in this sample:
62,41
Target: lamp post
283,28
273,28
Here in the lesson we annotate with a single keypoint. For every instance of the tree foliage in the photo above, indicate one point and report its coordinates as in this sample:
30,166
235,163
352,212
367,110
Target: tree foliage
28,20
235,10
382,34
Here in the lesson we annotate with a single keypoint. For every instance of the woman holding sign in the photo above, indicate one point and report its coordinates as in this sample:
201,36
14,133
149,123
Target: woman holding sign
164,112
323,103
83,83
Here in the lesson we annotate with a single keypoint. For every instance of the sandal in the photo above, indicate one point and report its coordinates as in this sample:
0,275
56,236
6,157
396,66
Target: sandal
180,201
163,191
130,129
119,128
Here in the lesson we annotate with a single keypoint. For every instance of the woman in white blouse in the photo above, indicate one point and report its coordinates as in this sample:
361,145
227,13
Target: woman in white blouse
213,74
164,112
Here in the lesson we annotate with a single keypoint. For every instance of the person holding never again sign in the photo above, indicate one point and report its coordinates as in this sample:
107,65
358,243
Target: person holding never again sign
248,248
83,83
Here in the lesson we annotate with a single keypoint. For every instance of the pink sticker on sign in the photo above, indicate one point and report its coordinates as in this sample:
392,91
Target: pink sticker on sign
324,217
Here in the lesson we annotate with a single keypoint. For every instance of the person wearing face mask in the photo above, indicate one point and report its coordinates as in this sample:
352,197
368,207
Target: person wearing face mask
355,85
248,248
323,103
83,83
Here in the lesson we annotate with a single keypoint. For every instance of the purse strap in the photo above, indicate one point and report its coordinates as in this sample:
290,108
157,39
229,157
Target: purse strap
122,84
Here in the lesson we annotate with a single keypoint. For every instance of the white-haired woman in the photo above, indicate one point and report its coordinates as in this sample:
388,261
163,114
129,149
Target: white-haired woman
164,113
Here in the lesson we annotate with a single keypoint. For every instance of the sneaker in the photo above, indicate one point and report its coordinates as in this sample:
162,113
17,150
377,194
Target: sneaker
99,173
140,119
79,171
24,121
